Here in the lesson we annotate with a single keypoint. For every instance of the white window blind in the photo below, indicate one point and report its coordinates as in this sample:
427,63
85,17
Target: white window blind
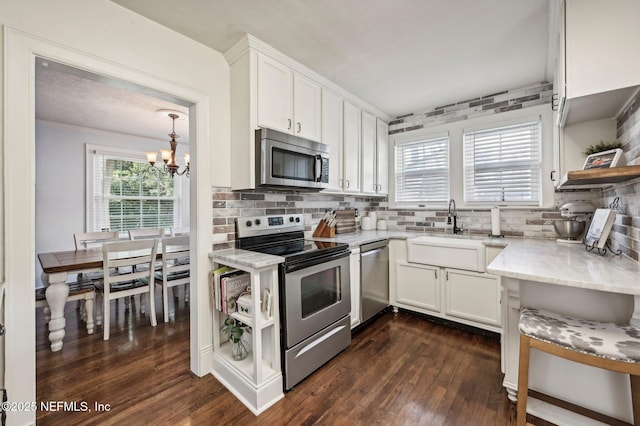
503,164
422,170
124,194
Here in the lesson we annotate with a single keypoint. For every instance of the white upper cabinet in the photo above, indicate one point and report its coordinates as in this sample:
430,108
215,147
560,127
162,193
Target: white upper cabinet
601,41
275,95
382,157
351,166
601,58
369,141
375,137
288,102
332,136
307,101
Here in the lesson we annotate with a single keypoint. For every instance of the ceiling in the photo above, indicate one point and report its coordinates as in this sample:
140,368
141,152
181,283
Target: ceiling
401,56
76,97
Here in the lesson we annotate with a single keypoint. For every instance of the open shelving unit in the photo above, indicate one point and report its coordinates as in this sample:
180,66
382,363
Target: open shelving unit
597,178
256,380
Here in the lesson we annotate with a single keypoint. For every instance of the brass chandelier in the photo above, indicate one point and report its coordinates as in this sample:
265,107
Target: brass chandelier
169,155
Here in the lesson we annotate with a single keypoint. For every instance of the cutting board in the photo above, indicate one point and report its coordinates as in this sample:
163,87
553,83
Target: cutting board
346,221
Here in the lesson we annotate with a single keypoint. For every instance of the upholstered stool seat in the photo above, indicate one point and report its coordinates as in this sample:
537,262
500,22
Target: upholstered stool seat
607,345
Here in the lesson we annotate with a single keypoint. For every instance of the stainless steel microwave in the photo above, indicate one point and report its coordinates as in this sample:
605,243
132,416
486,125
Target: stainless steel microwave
288,160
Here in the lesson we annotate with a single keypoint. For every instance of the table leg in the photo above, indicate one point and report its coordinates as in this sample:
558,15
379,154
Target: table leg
56,294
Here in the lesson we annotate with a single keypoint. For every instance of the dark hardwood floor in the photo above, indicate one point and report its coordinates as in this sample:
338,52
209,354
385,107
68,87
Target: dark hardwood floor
401,370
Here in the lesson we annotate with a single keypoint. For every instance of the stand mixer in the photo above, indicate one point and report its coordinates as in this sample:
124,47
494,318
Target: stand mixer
572,226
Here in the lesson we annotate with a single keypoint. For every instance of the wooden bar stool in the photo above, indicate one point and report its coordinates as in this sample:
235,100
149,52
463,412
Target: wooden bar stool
605,345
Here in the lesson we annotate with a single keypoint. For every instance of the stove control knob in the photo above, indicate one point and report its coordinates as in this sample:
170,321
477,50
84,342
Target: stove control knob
257,221
291,219
248,223
297,219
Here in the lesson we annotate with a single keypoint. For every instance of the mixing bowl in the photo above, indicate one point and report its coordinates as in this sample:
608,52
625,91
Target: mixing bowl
569,228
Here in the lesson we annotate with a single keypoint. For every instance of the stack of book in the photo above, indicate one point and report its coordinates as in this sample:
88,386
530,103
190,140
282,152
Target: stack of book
227,285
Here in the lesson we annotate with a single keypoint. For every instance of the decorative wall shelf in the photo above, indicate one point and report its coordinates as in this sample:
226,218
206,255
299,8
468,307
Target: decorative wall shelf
597,178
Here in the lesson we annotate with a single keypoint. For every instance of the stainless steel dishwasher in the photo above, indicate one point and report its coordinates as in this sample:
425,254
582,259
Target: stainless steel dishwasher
374,278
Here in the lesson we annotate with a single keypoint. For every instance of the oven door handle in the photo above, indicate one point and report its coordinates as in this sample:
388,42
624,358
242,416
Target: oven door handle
306,263
320,340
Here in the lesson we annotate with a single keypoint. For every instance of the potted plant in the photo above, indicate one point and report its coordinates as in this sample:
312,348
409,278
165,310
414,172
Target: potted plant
602,146
234,330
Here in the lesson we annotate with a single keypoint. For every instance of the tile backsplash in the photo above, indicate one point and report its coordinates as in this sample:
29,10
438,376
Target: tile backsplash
493,103
625,235
229,205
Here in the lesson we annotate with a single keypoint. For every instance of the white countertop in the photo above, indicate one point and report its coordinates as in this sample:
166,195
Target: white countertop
544,261
355,239
571,265
248,258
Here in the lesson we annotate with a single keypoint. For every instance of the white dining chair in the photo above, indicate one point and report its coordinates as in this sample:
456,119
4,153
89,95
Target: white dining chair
138,234
89,240
175,269
123,278
85,240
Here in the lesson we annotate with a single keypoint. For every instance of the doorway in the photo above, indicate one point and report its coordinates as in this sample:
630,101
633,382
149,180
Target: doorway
19,196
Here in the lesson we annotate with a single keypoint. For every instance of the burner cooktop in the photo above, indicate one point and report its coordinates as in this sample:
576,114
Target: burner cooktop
298,247
282,235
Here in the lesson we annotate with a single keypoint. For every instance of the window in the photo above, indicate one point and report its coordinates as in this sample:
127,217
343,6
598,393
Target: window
124,194
503,164
422,170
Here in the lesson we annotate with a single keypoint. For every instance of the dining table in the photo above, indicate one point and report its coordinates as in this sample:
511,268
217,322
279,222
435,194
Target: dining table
56,268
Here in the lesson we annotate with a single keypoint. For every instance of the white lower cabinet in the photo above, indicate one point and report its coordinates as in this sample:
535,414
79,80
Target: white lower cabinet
418,286
471,298
354,277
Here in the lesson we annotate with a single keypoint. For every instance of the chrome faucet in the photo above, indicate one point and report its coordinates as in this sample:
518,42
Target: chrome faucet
454,216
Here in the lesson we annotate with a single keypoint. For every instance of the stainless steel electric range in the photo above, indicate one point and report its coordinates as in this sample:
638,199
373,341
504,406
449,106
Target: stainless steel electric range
315,294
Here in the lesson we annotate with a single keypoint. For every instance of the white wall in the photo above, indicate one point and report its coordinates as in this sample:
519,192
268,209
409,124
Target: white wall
60,180
578,137
101,37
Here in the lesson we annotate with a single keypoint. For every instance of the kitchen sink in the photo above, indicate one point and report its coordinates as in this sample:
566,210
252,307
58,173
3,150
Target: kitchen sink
448,252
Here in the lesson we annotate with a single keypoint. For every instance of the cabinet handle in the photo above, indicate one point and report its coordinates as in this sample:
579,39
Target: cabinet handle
347,183
288,124
436,272
299,127
555,101
552,175
447,276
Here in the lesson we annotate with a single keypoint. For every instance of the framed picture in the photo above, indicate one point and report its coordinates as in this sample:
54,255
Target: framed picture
605,160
